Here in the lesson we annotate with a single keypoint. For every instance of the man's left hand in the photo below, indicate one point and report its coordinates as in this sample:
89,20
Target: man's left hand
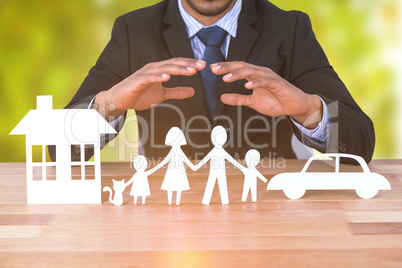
272,95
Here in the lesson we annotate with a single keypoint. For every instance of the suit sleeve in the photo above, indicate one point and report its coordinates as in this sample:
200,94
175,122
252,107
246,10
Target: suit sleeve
351,130
110,69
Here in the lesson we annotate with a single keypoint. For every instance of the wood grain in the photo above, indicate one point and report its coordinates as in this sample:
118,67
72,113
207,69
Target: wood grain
208,258
324,228
376,227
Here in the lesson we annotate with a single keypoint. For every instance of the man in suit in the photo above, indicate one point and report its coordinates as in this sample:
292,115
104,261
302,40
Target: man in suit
274,81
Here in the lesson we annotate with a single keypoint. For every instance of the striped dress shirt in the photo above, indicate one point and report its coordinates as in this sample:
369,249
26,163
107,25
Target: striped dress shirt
229,23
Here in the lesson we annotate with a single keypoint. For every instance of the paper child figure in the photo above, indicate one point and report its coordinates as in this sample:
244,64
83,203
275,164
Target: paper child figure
217,155
176,177
118,187
251,174
139,180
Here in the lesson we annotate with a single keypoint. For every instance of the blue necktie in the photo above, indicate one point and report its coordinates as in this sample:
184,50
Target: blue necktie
212,38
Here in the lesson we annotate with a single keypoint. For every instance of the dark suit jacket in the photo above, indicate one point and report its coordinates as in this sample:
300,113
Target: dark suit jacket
267,36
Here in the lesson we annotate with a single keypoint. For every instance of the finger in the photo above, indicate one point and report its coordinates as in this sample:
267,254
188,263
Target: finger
251,74
178,93
149,78
262,82
237,99
248,73
234,71
173,69
160,74
222,68
185,62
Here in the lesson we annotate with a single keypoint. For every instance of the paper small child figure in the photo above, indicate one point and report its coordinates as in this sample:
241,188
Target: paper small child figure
217,171
176,177
139,180
251,174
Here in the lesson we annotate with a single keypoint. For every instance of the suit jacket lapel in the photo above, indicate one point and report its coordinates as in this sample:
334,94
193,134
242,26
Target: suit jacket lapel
178,43
241,46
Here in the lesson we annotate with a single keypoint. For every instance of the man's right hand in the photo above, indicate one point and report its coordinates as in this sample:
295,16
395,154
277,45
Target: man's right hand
143,89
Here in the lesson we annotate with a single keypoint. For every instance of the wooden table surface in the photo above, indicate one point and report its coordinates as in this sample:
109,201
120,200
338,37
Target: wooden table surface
323,228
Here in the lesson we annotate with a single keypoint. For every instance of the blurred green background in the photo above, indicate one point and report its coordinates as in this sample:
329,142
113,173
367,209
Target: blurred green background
47,47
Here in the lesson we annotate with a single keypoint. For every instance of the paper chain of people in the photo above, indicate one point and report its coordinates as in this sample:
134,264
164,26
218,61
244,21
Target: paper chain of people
176,177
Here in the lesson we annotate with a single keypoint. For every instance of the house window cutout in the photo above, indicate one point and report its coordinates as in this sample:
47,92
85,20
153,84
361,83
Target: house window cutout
43,169
89,172
37,173
75,152
76,173
50,173
45,126
47,157
83,172
37,152
81,169
79,152
89,148
52,150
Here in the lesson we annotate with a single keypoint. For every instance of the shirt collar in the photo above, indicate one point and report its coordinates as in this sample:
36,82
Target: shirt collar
227,22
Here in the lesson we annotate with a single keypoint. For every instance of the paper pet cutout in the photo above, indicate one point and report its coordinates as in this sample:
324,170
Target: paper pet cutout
217,172
79,129
366,184
62,129
118,187
251,174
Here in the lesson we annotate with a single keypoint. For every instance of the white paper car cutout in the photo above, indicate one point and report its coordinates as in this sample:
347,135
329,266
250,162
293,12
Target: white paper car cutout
294,184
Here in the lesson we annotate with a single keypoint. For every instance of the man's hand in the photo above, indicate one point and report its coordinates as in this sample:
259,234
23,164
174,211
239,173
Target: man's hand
143,89
272,95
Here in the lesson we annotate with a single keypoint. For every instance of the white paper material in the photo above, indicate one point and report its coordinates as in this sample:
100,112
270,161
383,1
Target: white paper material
62,128
139,180
217,172
365,183
175,177
83,127
118,187
251,174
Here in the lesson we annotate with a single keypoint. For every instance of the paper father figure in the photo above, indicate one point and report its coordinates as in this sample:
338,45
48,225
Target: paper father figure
217,155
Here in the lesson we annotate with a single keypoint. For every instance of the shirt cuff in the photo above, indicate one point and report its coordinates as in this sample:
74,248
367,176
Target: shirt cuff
321,131
114,122
92,101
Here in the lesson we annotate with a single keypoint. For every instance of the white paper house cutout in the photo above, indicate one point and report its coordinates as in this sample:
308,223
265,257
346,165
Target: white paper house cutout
62,128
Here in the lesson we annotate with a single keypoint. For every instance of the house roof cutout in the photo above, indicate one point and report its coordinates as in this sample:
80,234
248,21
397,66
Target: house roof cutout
63,128
76,126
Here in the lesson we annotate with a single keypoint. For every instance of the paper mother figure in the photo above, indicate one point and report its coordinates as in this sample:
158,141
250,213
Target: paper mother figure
176,177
